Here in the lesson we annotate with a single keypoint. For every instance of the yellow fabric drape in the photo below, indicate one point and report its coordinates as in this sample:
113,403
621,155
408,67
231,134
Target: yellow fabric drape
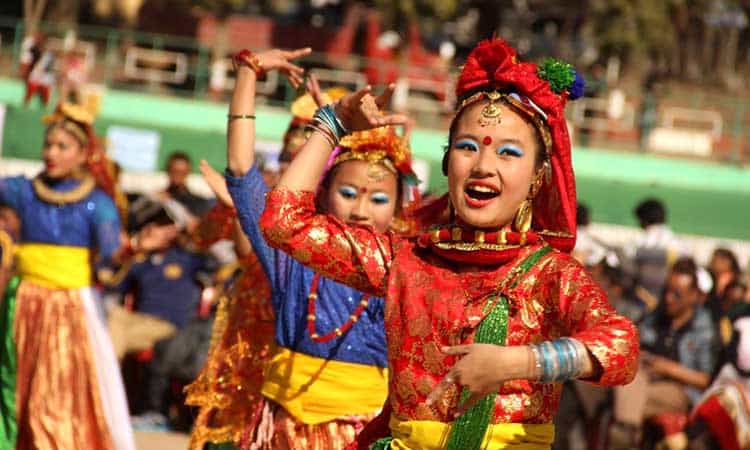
429,435
54,266
315,390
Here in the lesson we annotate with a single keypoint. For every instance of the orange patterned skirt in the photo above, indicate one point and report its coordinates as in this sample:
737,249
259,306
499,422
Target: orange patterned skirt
59,387
274,428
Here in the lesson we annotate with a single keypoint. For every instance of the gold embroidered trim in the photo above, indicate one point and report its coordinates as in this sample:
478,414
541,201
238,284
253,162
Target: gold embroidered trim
74,195
529,112
556,233
473,246
8,250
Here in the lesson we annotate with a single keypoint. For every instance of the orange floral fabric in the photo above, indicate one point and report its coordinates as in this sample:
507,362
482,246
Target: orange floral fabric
57,397
431,303
228,388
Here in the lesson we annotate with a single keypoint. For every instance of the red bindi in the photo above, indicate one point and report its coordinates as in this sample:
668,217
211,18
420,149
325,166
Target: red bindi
487,140
363,190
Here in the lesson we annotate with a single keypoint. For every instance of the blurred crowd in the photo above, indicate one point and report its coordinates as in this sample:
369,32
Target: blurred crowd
692,321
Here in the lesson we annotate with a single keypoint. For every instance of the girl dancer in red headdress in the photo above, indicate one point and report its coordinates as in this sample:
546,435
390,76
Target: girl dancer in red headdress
487,314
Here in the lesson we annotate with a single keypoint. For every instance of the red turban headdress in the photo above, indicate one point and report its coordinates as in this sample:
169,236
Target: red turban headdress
493,66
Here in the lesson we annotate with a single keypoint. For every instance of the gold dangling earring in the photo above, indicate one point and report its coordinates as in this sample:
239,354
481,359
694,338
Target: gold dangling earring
525,212
524,216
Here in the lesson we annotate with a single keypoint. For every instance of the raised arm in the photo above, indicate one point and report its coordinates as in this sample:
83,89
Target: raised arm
243,182
241,125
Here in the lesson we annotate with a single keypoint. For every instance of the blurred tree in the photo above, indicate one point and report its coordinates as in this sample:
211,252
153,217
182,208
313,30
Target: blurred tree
692,39
400,12
64,12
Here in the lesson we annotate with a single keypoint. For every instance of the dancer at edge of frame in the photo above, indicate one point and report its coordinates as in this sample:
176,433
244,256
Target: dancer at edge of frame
59,379
326,376
486,313
228,388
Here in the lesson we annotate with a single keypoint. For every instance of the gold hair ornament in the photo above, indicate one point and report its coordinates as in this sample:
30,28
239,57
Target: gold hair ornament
491,112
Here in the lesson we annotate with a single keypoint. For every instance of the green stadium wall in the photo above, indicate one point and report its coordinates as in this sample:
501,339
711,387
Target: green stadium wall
702,198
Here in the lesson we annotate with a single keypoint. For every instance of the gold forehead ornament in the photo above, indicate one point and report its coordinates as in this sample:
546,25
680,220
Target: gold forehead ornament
491,111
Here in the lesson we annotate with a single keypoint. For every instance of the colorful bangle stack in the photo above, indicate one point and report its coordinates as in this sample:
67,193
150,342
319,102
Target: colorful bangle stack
328,124
559,360
247,58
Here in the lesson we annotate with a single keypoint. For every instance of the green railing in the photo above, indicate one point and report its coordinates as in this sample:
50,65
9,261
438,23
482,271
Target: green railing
733,148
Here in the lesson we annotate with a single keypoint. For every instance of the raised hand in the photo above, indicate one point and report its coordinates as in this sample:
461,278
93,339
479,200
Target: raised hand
280,60
313,87
361,110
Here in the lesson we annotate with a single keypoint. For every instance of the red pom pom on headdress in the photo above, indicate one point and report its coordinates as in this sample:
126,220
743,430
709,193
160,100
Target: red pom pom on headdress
487,58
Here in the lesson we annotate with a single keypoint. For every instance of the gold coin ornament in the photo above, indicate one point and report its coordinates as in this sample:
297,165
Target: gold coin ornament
172,271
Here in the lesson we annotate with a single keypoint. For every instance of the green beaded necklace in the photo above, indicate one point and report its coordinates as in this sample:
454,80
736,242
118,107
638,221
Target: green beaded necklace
469,428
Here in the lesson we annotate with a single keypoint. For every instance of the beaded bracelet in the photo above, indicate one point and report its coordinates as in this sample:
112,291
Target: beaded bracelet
559,360
327,116
323,130
240,116
247,58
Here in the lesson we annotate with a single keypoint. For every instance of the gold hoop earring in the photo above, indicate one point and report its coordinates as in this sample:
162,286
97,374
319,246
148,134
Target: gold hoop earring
524,216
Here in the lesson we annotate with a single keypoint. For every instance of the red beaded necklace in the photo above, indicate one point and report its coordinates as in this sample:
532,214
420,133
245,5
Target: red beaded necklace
338,331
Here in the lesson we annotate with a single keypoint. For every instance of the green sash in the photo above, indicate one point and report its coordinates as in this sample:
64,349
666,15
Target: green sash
8,425
470,427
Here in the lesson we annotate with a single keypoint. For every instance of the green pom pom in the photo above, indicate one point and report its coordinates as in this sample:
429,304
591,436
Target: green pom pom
559,74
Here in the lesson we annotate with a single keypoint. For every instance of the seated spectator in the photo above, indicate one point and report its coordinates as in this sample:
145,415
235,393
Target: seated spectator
653,252
678,353
179,167
619,290
725,271
589,251
721,419
163,275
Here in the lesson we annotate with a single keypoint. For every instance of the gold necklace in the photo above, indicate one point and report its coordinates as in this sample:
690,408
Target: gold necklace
74,195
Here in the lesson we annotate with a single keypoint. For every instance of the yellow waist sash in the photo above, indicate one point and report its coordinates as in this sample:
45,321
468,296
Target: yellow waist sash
429,435
316,390
54,266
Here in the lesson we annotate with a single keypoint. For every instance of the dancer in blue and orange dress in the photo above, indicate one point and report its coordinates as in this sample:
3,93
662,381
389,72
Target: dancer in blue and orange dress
60,382
326,376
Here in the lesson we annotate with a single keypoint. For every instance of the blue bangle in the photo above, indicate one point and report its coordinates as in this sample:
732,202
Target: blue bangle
560,360
327,116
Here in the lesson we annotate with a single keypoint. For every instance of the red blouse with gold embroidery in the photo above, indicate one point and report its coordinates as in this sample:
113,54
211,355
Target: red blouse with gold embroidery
431,303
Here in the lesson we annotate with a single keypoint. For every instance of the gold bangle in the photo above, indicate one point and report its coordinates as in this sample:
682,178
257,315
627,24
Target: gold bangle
240,116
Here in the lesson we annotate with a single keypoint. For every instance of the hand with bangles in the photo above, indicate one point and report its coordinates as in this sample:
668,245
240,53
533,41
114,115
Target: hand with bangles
483,368
274,59
362,110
